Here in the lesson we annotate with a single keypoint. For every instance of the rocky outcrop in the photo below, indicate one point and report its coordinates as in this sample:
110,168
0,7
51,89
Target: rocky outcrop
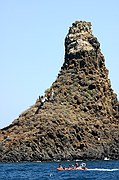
79,117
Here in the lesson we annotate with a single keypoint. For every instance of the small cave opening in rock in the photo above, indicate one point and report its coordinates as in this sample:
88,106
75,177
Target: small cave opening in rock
82,64
91,86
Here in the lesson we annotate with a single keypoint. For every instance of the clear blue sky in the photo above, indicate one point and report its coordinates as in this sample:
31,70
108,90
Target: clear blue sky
32,36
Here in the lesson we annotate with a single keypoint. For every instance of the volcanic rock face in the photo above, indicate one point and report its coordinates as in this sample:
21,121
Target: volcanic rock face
79,119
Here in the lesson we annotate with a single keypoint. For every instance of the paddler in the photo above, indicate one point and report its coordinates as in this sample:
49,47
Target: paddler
82,167
60,167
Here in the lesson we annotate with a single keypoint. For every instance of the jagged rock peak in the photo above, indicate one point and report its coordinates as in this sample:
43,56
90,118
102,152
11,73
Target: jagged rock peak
84,71
80,37
80,43
80,27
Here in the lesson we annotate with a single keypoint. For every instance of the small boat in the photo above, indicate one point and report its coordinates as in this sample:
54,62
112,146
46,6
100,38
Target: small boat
106,159
81,167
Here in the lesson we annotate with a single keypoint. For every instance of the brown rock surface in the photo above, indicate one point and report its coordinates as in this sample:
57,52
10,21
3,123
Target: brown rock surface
79,120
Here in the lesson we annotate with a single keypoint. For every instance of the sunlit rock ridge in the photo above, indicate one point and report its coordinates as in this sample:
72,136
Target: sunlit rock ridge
80,117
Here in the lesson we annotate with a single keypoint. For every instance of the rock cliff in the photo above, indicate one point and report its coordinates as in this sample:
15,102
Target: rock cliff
78,119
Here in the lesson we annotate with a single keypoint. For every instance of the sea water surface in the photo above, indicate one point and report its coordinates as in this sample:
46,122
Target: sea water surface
97,170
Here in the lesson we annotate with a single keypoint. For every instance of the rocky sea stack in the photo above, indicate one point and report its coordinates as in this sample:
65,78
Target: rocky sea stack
80,116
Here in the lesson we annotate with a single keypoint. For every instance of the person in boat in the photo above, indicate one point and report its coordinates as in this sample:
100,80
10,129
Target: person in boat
69,167
73,167
60,167
76,164
82,166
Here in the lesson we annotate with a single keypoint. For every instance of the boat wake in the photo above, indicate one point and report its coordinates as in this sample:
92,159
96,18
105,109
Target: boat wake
98,169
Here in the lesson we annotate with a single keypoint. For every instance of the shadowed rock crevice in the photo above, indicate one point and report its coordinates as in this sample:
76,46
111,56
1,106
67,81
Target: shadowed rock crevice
80,115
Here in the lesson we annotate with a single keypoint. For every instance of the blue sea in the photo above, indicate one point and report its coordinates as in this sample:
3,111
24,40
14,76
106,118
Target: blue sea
97,170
